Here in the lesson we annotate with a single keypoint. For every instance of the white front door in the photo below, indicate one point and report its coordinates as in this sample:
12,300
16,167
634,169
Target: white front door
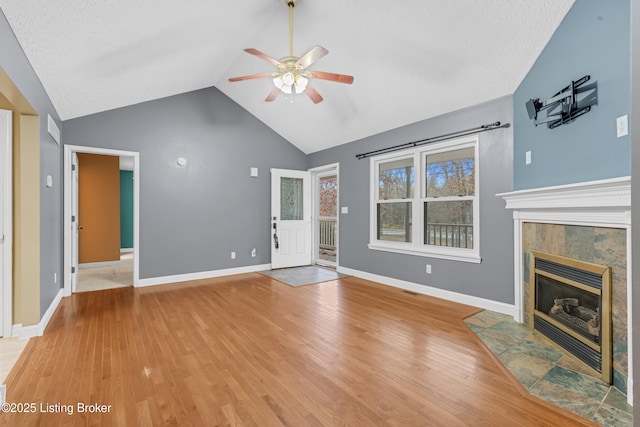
5,223
291,244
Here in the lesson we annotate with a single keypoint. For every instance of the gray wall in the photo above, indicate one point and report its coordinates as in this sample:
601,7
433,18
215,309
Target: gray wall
192,217
635,202
493,278
593,39
16,65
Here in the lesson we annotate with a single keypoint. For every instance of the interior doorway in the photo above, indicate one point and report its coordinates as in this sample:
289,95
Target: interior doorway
104,216
127,261
325,209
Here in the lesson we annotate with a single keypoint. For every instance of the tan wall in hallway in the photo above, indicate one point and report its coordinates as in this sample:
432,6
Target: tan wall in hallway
26,221
26,204
98,208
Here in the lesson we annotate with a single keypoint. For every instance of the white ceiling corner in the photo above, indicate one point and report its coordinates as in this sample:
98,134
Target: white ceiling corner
411,60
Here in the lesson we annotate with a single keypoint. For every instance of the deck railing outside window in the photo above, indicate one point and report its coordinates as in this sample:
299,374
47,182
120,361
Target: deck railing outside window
327,233
452,235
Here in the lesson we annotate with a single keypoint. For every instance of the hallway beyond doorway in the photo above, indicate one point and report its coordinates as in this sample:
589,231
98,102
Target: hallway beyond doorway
100,278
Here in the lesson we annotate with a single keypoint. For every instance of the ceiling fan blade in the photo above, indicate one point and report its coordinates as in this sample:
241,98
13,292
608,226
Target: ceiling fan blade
313,94
339,78
252,76
264,56
311,56
272,95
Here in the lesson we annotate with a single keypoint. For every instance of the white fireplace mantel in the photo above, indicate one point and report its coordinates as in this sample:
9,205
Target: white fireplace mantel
603,203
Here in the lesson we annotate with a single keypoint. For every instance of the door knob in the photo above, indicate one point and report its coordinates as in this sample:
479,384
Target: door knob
80,227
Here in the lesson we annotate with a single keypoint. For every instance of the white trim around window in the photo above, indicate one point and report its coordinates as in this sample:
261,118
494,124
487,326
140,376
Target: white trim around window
415,198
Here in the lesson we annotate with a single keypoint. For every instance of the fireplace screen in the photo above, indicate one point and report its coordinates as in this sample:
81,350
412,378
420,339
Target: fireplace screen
575,308
570,303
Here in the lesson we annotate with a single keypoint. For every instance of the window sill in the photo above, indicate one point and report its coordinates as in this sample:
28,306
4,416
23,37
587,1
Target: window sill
453,255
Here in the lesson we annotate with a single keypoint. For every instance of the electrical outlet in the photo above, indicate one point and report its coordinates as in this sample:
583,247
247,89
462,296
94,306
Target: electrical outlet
233,255
428,268
527,158
253,253
622,126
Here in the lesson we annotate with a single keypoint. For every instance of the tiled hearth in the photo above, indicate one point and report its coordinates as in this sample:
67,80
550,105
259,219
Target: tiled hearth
588,222
549,373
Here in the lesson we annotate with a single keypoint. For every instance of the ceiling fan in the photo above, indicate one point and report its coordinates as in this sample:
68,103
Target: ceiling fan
291,75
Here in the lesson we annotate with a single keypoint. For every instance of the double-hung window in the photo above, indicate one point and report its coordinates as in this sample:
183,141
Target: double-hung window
424,201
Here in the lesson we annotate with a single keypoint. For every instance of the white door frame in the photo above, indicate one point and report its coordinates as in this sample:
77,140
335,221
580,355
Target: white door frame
315,172
68,236
6,172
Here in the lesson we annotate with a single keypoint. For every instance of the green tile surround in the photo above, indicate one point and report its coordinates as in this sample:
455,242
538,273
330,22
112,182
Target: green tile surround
548,372
599,245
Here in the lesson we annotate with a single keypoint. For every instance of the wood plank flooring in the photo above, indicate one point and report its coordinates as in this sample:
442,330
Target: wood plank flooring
248,350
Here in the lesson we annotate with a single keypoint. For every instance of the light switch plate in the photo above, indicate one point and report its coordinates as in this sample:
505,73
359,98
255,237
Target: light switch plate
344,210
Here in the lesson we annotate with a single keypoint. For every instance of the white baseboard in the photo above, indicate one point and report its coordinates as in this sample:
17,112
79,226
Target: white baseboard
100,264
486,304
26,332
153,281
126,250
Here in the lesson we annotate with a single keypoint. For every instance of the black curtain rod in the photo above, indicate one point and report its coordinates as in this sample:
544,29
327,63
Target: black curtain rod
483,128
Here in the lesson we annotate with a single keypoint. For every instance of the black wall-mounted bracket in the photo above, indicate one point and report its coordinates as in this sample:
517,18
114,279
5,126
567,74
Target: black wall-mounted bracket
566,105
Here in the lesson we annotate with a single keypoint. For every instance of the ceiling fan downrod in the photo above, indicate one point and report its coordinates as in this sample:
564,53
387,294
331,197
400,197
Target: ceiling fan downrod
291,4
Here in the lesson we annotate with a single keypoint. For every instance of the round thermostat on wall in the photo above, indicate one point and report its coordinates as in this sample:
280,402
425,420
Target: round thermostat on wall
182,161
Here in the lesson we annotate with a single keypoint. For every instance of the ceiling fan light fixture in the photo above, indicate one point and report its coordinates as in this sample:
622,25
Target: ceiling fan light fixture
280,84
301,84
288,79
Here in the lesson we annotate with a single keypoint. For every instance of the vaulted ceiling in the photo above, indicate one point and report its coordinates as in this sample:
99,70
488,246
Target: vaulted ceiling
411,59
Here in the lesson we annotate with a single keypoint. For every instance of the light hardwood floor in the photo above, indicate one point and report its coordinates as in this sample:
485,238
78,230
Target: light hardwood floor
248,350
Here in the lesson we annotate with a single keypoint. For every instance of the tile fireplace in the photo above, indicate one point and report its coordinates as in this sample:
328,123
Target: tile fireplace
588,223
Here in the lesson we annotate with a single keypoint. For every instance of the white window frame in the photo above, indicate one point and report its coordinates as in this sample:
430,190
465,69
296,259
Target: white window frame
417,246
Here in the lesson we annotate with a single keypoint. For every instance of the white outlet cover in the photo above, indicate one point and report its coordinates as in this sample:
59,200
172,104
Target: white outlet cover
344,210
622,126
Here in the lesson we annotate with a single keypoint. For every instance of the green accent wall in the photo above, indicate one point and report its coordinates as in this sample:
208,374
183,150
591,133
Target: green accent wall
126,209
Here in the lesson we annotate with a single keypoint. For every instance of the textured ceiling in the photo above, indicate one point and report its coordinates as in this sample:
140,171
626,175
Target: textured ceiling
412,59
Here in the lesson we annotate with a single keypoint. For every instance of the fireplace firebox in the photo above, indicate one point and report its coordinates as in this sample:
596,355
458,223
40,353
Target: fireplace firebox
570,303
